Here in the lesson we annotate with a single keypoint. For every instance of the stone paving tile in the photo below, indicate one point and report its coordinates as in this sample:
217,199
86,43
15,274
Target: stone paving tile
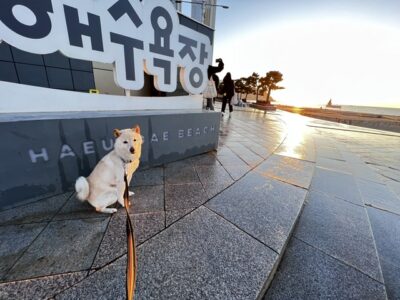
287,169
341,230
184,196
167,263
15,239
234,165
224,151
113,244
359,168
247,155
306,273
205,159
387,172
386,229
214,179
39,211
299,151
265,208
328,152
394,187
320,141
64,246
9,204
180,172
364,172
107,283
391,273
264,152
148,199
202,257
231,160
336,184
333,165
237,171
173,215
40,288
378,195
153,176
77,209
350,157
148,225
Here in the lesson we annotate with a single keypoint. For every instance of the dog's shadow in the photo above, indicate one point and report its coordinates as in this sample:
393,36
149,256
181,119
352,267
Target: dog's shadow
76,209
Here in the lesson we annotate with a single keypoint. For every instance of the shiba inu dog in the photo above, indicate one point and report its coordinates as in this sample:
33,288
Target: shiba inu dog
105,185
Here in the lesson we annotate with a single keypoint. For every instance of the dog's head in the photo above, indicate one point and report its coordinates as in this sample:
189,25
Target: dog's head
128,143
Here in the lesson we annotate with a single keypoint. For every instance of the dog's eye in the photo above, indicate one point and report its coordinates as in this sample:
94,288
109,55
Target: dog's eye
134,140
125,142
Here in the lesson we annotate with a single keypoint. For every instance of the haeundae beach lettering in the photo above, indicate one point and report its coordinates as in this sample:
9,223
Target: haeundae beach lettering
89,147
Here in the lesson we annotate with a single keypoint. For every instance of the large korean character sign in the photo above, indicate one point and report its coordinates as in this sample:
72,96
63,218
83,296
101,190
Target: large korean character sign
132,35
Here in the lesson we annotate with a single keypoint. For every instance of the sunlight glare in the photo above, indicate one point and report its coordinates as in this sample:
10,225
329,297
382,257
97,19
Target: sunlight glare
354,62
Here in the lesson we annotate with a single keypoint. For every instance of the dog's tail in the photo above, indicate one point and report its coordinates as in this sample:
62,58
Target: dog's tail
82,188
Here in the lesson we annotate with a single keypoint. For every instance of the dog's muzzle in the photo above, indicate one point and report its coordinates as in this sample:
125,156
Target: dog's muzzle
132,150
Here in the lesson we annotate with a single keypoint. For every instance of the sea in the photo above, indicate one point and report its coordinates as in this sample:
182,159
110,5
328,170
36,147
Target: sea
370,110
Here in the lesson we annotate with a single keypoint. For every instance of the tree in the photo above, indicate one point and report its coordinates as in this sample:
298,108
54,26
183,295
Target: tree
269,83
249,84
240,86
253,81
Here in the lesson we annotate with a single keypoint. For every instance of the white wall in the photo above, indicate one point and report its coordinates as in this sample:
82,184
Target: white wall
19,98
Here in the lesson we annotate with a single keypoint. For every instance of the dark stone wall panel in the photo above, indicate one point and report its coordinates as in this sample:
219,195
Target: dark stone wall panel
51,70
32,75
5,52
60,79
26,57
8,72
83,81
46,156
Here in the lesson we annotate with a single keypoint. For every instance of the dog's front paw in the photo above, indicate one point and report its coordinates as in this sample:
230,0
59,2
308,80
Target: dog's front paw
114,210
131,193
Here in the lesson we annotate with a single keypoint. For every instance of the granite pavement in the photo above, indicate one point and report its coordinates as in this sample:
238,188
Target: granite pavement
287,207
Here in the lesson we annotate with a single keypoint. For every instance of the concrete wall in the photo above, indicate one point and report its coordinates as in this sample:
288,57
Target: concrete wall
44,155
18,98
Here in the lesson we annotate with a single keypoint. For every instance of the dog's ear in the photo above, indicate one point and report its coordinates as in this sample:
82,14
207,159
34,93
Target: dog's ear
117,132
137,129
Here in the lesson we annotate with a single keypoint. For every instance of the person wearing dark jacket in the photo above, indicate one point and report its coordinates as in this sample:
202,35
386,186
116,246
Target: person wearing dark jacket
211,71
228,92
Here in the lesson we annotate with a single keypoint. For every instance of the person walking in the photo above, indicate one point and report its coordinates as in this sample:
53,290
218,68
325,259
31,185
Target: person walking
228,91
211,72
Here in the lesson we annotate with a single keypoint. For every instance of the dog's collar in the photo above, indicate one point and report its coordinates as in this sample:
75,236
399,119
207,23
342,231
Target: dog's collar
125,162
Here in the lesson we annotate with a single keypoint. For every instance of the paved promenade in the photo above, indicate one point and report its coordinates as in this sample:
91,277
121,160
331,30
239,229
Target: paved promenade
287,208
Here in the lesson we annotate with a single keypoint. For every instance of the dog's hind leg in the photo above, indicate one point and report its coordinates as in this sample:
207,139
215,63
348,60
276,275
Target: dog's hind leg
106,210
106,200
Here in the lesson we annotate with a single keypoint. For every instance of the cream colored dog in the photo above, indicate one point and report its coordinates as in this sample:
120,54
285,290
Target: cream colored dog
105,185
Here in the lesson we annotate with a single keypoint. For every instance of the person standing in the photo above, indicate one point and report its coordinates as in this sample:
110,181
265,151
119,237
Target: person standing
211,71
228,91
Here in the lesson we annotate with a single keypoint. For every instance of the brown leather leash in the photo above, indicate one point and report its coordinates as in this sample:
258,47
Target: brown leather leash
131,266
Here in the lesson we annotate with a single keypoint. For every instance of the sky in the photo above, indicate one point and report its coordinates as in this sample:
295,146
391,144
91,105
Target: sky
347,50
